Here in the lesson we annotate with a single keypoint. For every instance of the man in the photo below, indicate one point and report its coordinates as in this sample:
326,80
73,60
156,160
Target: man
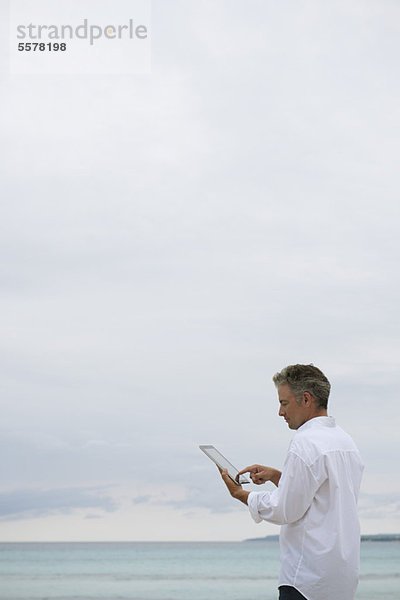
316,497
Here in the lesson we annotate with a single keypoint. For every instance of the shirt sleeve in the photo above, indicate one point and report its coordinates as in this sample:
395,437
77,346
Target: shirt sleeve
292,498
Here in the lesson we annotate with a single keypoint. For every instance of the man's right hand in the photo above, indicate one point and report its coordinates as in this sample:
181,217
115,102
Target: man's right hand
259,474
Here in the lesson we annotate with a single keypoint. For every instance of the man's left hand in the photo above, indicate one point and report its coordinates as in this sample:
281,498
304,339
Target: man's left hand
235,490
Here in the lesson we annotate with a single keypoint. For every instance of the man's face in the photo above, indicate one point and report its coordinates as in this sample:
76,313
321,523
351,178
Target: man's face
295,414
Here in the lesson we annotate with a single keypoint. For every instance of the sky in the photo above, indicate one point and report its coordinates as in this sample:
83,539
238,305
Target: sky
171,240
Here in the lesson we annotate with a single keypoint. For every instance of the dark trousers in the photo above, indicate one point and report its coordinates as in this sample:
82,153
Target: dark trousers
287,592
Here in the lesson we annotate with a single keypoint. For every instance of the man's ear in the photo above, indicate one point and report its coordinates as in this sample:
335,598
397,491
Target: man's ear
307,398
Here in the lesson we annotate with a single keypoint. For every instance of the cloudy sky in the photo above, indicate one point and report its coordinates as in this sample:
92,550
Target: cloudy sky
169,241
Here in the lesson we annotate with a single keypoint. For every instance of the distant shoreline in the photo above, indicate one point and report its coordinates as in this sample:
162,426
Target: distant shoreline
376,537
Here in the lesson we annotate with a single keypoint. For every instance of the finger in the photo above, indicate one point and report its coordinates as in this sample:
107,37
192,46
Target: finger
227,480
224,473
259,480
247,470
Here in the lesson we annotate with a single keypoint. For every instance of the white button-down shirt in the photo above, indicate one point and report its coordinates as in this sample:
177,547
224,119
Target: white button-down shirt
316,504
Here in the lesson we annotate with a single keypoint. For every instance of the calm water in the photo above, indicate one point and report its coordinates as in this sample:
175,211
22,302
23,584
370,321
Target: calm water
170,571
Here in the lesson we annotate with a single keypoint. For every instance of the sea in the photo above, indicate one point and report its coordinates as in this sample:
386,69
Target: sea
170,571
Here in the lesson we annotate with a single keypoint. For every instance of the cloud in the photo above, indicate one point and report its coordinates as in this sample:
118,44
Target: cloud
379,506
205,492
31,503
206,501
142,499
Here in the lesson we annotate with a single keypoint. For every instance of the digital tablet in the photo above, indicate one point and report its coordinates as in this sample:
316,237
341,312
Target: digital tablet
222,462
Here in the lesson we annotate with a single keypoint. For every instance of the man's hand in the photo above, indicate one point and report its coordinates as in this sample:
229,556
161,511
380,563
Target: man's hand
260,474
235,490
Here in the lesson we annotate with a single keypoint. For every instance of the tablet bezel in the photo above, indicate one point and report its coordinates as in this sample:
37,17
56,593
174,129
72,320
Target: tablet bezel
224,463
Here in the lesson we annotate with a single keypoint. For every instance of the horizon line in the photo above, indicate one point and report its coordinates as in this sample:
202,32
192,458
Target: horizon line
364,537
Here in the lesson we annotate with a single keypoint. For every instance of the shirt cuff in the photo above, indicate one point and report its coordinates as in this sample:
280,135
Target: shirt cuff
252,502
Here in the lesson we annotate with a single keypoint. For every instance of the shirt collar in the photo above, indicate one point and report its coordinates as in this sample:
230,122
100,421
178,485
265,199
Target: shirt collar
317,422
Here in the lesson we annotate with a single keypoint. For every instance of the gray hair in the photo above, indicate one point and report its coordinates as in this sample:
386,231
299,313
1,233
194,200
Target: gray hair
305,378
